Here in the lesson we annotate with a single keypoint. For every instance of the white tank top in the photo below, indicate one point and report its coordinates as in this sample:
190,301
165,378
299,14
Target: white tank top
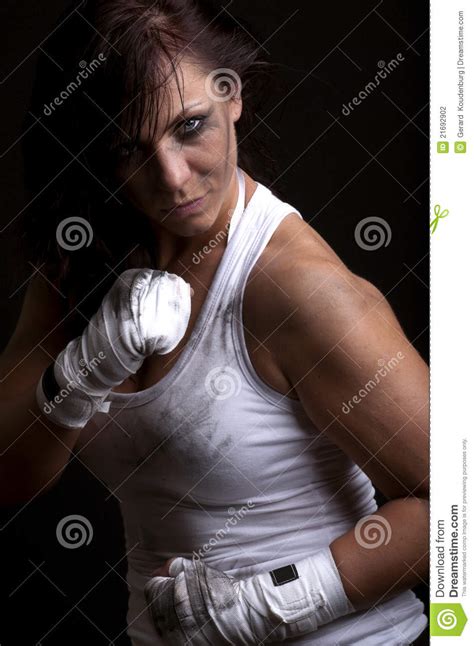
213,462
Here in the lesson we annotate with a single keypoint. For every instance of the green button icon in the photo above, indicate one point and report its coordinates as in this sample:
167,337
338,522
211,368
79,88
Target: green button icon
460,147
447,619
443,147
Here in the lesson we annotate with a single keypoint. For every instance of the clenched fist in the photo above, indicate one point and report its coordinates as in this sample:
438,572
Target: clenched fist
145,312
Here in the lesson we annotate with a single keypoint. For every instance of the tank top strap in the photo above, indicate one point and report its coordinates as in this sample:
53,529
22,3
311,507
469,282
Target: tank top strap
250,233
250,230
239,209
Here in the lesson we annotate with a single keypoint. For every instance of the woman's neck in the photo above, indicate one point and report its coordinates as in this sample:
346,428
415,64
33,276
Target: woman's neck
172,248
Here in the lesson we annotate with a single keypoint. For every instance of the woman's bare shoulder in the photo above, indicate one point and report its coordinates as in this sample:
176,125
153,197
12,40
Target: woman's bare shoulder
297,252
296,244
293,244
294,238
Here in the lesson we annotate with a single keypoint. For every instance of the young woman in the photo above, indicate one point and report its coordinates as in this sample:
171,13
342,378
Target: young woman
205,353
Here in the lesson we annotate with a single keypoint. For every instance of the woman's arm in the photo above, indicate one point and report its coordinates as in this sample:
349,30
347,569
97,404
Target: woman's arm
366,387
362,384
33,451
390,555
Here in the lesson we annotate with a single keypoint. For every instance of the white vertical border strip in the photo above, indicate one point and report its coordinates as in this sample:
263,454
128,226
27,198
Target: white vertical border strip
452,323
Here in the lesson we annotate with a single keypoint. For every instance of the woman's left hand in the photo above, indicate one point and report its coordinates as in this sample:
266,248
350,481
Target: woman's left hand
192,603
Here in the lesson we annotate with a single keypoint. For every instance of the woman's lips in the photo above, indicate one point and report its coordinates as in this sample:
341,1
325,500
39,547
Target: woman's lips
186,208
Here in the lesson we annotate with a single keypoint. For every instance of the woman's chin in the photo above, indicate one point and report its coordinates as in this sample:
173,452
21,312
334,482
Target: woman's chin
189,225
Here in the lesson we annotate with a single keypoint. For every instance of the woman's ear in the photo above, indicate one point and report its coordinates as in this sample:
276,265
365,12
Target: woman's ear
235,106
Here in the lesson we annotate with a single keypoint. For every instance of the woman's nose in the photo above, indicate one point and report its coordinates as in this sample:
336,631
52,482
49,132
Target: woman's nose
172,169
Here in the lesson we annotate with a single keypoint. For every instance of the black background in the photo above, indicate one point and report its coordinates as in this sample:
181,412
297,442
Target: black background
336,169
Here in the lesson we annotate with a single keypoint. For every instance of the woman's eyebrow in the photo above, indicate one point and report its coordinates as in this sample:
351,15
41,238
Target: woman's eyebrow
187,108
179,117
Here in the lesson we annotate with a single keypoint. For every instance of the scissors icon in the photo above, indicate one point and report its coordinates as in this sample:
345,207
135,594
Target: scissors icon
438,216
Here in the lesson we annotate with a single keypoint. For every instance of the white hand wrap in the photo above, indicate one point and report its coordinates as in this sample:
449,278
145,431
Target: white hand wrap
206,606
145,312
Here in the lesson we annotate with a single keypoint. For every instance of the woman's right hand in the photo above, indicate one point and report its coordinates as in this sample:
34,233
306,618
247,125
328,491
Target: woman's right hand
145,312
160,305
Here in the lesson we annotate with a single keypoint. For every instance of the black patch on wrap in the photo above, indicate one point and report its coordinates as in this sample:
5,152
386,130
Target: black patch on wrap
284,574
50,385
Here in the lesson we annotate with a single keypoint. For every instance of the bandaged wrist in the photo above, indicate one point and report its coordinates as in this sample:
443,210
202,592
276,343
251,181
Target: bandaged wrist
64,403
299,597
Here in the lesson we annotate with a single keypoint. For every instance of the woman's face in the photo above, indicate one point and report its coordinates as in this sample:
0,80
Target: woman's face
193,154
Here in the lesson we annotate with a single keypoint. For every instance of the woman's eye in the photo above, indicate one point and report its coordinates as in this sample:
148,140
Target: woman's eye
192,126
126,150
189,128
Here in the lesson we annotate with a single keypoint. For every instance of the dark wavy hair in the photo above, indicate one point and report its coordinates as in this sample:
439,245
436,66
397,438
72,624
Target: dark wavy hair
99,78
